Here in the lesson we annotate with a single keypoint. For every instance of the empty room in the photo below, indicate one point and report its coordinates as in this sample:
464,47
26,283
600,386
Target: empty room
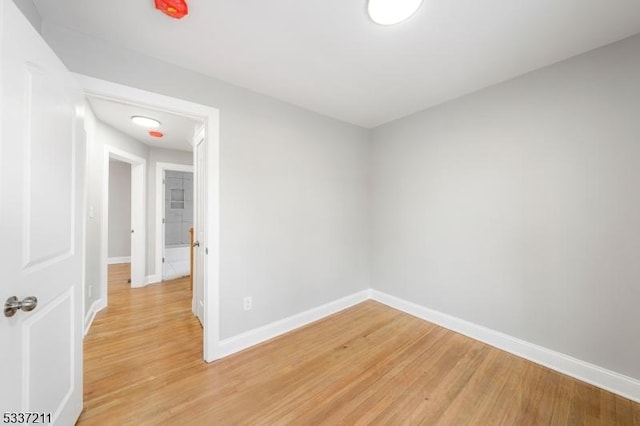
393,212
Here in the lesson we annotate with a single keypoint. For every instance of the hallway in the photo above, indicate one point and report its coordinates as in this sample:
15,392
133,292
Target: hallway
135,359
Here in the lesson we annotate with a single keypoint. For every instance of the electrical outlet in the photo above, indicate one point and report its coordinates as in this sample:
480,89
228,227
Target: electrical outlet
248,303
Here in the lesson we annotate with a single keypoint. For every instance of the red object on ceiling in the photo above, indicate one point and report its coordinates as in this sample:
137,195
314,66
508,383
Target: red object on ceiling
174,8
155,134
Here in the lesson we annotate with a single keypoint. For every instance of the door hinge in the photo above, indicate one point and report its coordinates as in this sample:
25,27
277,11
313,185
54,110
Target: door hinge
206,250
163,220
163,260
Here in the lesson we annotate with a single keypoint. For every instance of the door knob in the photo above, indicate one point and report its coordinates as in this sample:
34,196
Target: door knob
12,305
196,244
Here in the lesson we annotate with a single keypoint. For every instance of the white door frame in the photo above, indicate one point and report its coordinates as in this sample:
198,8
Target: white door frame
160,169
138,217
211,116
200,221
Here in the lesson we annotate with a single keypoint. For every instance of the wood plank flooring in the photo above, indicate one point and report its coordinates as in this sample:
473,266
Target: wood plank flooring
367,365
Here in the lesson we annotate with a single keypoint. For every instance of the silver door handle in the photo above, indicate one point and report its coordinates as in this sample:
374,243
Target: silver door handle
196,244
12,305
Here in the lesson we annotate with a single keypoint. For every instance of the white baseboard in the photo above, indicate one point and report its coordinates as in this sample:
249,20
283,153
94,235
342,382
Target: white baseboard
581,370
152,279
116,260
243,341
148,280
95,307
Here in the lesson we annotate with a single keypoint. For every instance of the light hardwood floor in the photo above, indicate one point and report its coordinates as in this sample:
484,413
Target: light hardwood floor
367,365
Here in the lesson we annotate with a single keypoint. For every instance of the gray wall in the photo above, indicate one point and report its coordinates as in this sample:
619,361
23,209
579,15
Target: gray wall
119,209
517,207
294,187
28,8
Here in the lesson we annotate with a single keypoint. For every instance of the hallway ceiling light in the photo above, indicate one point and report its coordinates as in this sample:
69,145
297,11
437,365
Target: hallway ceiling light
145,121
389,12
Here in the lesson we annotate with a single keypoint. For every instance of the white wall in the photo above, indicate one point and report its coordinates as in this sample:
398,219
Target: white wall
157,155
119,209
517,207
99,135
94,207
294,187
28,9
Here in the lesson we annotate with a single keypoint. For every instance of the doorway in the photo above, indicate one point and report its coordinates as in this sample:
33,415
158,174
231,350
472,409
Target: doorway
177,210
119,240
136,234
208,279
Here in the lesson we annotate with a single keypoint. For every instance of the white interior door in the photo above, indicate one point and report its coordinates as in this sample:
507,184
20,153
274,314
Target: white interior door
41,196
200,231
138,223
163,247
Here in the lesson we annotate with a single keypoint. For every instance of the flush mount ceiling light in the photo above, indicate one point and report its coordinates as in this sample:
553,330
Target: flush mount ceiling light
145,121
389,12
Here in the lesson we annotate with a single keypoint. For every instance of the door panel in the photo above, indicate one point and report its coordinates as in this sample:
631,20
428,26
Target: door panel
200,235
48,169
41,198
138,256
42,336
